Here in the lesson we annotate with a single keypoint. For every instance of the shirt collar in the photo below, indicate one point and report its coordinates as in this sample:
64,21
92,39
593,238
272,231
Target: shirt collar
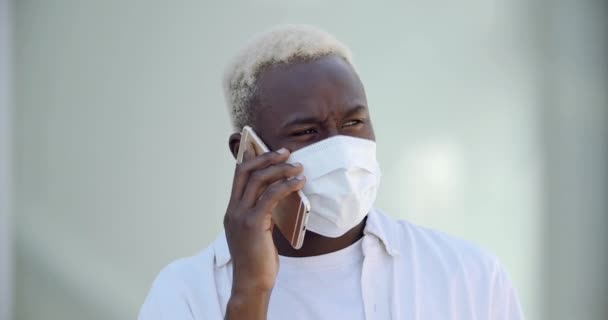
378,225
384,228
220,248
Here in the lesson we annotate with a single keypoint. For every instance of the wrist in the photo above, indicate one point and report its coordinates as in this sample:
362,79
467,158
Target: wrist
248,303
248,284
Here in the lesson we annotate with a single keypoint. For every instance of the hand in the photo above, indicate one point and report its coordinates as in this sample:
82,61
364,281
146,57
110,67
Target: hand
259,184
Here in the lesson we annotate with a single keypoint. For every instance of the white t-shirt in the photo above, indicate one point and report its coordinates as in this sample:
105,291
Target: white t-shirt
320,287
407,272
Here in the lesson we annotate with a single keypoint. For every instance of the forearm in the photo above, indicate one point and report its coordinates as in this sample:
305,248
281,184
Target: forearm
248,305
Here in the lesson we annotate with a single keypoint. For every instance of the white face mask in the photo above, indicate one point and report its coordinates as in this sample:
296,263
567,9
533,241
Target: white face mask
342,178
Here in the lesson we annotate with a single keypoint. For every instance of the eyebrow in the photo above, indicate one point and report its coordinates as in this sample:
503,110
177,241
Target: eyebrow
312,119
300,121
359,108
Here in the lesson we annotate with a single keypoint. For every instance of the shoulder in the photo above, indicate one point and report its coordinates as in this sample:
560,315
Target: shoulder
181,272
186,270
428,246
182,285
449,266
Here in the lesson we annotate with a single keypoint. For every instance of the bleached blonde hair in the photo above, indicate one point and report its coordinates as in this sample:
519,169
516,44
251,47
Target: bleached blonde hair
279,45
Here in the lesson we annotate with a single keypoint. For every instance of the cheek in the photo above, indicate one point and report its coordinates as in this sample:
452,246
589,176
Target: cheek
365,131
267,132
372,135
274,143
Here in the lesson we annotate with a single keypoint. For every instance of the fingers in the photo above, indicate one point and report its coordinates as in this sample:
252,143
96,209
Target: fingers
260,179
251,163
277,192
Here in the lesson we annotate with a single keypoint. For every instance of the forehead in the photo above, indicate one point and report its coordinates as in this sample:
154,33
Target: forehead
318,88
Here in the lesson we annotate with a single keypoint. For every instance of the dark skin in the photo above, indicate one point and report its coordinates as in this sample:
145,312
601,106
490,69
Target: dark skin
297,104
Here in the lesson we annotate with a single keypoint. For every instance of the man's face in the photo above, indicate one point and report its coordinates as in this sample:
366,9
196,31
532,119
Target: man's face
301,103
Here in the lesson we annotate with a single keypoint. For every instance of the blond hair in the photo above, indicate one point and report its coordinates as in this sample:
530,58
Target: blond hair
279,45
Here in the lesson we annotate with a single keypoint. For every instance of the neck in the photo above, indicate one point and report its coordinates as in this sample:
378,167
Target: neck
316,244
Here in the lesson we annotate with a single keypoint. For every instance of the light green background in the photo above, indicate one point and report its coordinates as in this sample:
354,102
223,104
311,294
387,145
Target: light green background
121,134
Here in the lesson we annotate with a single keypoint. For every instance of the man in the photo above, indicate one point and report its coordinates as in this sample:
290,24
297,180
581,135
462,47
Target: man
297,88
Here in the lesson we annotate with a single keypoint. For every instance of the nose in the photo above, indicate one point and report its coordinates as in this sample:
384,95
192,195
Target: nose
332,131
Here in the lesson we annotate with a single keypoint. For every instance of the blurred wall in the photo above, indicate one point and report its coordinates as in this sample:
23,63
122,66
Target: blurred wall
6,217
575,108
6,109
121,134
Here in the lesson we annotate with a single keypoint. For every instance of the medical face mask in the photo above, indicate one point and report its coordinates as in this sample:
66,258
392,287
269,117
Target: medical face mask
342,178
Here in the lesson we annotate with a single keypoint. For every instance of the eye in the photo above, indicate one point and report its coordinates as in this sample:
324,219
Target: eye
352,123
305,132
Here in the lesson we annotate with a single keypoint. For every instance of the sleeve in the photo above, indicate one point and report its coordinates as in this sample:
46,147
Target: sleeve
505,304
166,299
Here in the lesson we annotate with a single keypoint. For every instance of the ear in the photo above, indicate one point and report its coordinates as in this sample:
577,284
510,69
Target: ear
234,142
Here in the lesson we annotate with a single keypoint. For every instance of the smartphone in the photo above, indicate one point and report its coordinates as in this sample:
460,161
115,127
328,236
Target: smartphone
291,214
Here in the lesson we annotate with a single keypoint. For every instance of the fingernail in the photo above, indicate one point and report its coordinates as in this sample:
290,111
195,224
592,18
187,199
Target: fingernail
300,178
296,164
282,151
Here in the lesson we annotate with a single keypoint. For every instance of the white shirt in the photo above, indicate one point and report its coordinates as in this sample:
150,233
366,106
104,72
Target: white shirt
407,272
320,287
